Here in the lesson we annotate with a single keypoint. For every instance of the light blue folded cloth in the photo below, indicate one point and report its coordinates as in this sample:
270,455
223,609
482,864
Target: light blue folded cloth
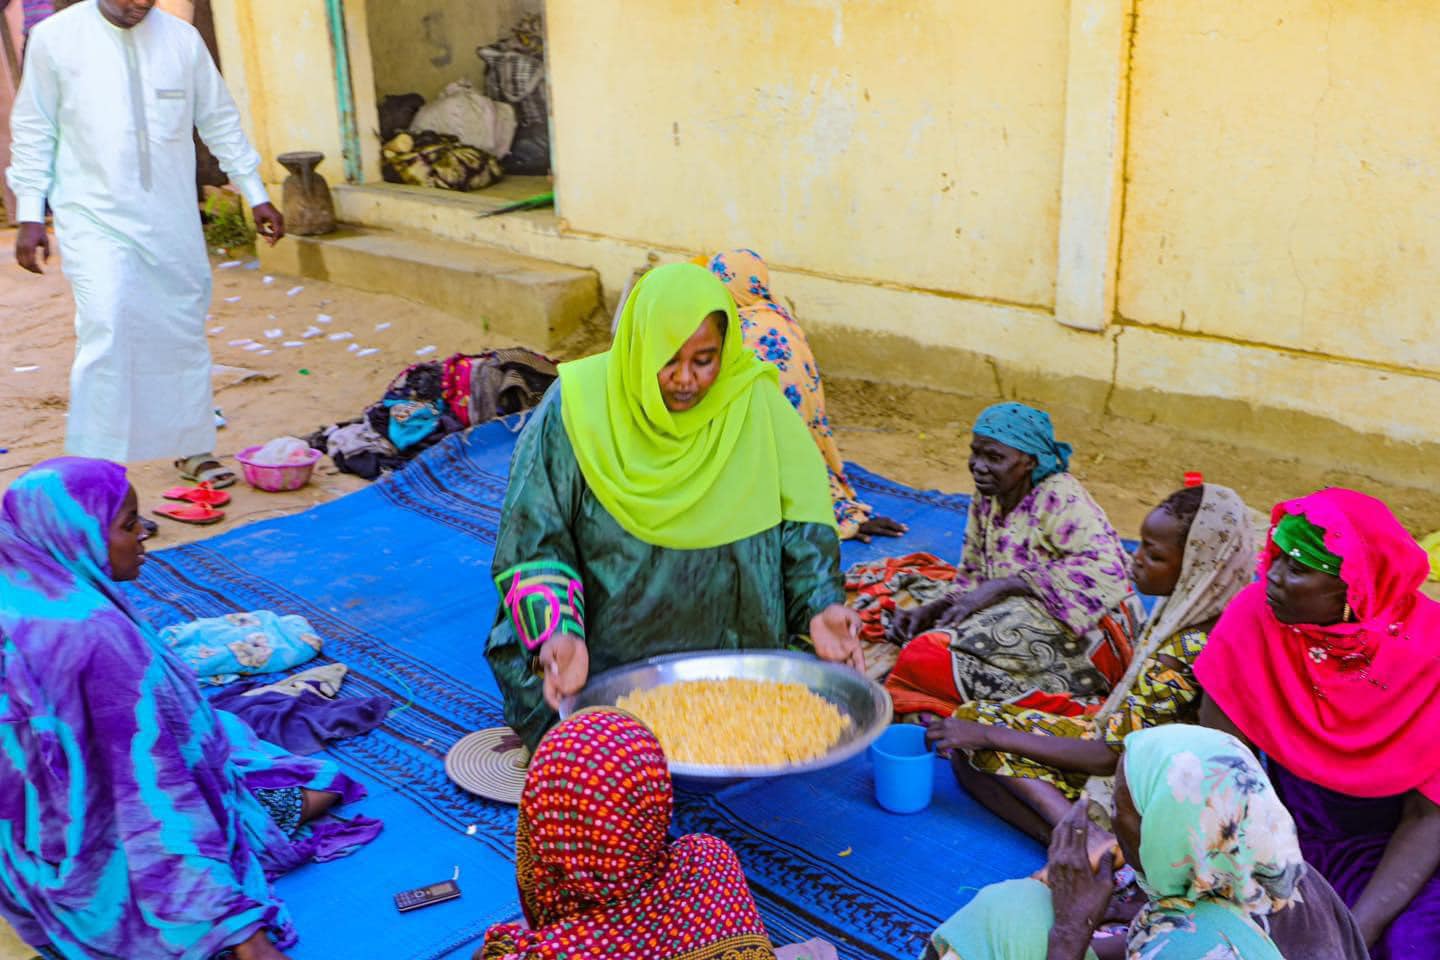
223,649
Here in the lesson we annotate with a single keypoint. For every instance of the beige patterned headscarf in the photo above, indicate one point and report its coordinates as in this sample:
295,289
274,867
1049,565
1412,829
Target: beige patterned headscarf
1219,562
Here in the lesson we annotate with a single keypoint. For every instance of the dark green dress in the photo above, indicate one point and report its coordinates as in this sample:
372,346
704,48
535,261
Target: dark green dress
563,564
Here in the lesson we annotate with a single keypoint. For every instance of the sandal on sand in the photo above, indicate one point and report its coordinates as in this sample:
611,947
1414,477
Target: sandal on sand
203,492
200,514
204,468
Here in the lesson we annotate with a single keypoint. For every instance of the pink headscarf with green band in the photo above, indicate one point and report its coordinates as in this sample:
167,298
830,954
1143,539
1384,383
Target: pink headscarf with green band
1351,706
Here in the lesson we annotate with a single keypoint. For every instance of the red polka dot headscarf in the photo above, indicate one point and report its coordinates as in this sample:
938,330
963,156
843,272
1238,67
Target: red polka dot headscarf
598,875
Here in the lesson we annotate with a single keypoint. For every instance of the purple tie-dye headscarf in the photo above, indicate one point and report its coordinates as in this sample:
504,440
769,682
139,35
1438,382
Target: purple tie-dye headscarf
128,822
61,510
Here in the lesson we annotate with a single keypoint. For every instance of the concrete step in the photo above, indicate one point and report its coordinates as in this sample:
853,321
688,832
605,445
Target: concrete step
534,301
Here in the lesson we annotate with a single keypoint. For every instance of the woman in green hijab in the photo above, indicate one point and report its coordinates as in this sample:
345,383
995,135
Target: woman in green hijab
663,498
1214,852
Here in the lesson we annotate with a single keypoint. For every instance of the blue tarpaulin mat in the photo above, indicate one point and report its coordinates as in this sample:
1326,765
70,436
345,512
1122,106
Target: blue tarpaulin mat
396,579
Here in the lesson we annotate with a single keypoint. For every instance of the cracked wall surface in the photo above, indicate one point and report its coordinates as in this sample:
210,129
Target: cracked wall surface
1283,169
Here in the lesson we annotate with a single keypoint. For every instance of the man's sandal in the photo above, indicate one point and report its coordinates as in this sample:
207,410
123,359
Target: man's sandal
204,468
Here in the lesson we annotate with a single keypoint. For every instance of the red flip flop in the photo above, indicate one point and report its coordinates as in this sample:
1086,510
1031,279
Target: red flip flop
200,514
200,493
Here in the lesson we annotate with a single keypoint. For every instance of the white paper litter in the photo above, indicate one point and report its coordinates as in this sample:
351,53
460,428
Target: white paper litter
252,347
234,299
216,331
311,332
353,347
382,326
241,342
368,351
229,265
267,280
266,353
425,351
324,318
293,291
275,334
293,343
470,830
346,335
28,368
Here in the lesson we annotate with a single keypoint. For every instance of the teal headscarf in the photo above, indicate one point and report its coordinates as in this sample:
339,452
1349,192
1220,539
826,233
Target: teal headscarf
1028,430
1218,853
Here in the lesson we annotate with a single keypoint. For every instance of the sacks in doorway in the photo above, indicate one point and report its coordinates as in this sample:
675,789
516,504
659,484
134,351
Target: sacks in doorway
397,110
515,74
430,159
474,119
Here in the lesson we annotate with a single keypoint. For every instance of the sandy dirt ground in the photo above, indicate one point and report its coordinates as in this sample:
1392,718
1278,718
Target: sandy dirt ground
291,390
915,436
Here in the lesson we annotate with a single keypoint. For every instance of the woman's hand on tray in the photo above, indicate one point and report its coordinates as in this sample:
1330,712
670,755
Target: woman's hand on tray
835,631
565,666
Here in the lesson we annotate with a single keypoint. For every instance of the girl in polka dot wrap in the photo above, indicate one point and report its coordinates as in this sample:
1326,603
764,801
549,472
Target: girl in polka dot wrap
598,875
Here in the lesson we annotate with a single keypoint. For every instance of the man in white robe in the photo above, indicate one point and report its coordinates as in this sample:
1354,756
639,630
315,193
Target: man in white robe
101,129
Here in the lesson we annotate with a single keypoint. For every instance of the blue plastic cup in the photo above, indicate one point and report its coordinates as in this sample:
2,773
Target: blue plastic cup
904,769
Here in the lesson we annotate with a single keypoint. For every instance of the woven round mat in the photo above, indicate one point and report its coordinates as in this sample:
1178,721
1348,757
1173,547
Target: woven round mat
490,763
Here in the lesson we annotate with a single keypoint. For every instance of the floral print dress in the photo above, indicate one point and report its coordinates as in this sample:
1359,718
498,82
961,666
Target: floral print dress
1164,692
1059,649
774,336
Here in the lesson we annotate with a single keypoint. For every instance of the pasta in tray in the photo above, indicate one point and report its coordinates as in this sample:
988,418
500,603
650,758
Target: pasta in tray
736,722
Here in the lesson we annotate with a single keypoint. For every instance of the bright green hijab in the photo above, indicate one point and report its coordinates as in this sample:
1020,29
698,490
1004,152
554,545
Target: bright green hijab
735,464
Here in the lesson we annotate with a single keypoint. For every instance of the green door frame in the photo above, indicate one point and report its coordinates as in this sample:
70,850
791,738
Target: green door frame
344,91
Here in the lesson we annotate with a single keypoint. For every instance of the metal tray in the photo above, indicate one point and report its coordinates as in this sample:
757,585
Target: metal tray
863,700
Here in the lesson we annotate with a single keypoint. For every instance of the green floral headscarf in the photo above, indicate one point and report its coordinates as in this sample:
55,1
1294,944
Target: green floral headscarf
1218,853
1218,850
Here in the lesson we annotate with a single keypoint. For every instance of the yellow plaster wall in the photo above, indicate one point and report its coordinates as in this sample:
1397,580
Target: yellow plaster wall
279,68
422,45
941,172
916,143
1283,176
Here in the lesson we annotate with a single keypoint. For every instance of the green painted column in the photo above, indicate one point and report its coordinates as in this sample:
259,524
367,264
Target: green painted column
344,91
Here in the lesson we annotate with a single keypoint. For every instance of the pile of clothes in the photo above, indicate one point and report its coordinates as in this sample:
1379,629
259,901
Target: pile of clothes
302,713
430,159
428,402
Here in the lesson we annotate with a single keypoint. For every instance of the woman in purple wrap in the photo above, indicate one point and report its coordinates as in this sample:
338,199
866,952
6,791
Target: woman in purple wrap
135,820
